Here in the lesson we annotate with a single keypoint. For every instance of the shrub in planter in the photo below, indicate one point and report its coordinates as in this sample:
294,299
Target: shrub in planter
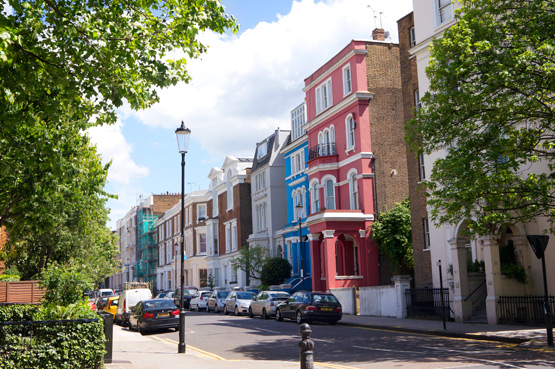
275,271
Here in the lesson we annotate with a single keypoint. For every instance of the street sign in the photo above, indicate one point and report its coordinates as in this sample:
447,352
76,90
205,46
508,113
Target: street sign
538,243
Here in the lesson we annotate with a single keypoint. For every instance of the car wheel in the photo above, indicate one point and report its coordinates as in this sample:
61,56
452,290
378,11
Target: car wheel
141,331
333,322
197,308
216,309
264,314
236,311
250,313
225,310
279,318
299,318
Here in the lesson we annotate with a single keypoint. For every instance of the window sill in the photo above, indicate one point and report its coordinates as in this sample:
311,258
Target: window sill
353,149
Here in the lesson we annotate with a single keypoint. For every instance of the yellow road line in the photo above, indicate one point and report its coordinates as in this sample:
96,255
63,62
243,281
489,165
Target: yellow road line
204,353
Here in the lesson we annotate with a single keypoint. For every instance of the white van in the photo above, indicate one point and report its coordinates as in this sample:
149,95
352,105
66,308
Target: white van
127,300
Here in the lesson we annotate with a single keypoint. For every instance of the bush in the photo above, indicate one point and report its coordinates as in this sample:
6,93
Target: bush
275,271
60,346
64,285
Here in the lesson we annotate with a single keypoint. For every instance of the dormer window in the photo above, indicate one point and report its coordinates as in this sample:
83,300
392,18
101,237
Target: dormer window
262,150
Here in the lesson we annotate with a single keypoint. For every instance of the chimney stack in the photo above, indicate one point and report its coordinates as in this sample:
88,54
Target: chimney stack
378,34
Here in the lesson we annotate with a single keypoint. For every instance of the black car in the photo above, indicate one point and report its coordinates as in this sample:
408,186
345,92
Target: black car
307,306
154,314
188,293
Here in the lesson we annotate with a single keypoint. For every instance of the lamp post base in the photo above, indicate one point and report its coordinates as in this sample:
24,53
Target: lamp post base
181,345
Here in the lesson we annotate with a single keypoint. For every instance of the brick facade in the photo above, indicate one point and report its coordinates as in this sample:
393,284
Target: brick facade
409,77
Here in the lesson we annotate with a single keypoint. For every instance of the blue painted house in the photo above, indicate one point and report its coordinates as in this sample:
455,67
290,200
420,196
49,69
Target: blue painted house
297,249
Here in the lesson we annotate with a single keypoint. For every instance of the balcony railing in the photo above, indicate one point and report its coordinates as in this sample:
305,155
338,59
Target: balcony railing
319,150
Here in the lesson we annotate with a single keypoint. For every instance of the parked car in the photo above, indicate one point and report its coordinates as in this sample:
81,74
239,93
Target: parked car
112,305
199,299
238,302
127,300
266,302
154,314
188,293
165,295
216,301
104,292
101,302
306,306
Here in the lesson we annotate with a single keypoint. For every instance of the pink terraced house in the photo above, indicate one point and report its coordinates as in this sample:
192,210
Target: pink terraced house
357,160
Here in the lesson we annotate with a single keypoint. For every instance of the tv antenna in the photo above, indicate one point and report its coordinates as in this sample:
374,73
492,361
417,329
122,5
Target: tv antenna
376,16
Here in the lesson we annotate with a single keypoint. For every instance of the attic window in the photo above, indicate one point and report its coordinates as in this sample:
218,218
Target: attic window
262,150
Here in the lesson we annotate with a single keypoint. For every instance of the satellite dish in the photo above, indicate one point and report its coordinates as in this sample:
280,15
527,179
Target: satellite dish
386,35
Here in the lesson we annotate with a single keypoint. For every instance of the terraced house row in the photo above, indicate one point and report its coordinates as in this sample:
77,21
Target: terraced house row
310,194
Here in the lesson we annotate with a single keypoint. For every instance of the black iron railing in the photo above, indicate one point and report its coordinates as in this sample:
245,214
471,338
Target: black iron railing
426,301
523,309
321,150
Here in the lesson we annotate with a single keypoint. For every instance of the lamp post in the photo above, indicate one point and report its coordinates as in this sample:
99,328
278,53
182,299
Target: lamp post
299,208
539,243
182,135
441,293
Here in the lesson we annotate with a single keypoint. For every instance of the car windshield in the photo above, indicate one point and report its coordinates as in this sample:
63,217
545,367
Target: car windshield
206,294
222,295
245,295
324,298
106,293
187,291
161,304
279,296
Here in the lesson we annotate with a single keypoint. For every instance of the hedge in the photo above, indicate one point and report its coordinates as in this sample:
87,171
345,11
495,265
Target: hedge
50,345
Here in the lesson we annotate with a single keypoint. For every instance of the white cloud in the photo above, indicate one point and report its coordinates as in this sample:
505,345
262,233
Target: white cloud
246,85
111,144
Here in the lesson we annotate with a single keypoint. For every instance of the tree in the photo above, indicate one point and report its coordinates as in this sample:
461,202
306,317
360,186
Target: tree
67,65
64,284
250,260
275,271
491,108
393,232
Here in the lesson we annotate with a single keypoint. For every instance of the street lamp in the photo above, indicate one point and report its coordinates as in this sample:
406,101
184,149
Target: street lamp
182,135
299,208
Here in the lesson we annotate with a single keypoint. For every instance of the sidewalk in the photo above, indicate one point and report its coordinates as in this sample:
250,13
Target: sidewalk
131,350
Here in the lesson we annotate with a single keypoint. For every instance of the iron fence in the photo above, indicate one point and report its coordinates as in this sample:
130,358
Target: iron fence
426,302
523,309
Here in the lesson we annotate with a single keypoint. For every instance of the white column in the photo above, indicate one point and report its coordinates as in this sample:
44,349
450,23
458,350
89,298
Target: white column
493,276
462,309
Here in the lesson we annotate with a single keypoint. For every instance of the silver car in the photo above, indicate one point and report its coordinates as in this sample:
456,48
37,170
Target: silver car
238,302
266,302
216,302
199,299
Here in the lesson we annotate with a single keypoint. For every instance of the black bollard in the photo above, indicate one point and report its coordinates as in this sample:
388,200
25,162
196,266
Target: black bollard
108,321
306,347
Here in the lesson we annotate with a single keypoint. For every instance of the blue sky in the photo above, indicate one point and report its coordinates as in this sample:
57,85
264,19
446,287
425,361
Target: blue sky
241,91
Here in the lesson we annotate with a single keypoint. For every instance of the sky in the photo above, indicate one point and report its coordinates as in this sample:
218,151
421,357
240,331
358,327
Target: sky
242,90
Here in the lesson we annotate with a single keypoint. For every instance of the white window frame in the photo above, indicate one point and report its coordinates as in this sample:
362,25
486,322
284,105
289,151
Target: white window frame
262,150
314,197
199,234
444,10
202,208
421,167
234,240
327,195
417,103
350,132
412,37
347,80
324,96
426,230
353,190
227,238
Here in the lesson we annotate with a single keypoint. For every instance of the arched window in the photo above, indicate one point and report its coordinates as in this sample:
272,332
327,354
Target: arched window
353,189
326,142
229,190
315,197
350,130
330,195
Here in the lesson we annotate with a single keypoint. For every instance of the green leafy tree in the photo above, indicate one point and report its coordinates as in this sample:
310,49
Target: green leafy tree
64,284
490,106
67,65
275,271
392,230
250,260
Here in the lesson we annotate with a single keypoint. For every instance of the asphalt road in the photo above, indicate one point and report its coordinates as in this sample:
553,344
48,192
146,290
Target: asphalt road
344,347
